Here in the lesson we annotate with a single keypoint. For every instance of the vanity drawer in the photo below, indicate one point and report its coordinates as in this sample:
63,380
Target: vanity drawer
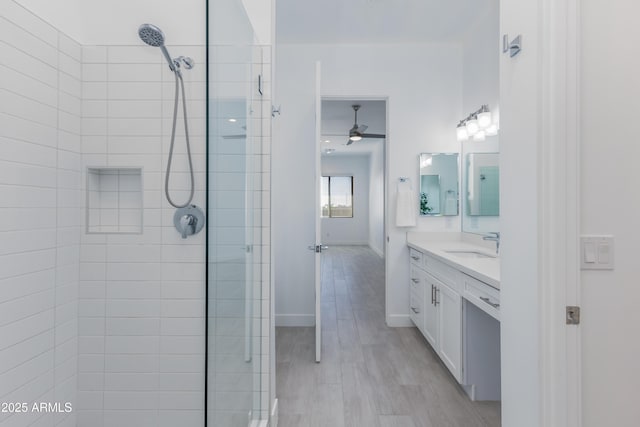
415,256
415,311
442,271
483,296
415,280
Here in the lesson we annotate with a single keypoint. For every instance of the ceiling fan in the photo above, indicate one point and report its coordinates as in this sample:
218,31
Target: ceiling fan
356,133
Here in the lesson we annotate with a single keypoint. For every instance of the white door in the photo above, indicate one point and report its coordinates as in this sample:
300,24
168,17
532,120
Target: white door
318,243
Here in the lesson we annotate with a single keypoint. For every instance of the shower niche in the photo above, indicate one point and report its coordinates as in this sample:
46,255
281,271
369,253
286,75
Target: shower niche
114,200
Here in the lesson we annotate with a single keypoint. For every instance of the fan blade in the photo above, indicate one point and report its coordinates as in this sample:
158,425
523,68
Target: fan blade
362,128
349,142
374,135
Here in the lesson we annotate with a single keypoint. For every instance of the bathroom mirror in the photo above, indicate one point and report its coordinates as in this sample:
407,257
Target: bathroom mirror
481,186
438,184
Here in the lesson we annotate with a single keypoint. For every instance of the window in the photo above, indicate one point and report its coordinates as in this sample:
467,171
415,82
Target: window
336,198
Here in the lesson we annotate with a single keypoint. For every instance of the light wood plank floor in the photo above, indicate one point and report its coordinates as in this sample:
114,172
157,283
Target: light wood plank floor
370,374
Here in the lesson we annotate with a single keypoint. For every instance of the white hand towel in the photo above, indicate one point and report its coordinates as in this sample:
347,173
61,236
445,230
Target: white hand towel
406,208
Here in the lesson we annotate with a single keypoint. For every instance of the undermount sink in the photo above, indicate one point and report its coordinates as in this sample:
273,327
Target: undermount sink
470,254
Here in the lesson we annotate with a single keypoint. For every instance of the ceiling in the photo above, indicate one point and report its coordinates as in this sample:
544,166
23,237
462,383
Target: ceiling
337,119
375,21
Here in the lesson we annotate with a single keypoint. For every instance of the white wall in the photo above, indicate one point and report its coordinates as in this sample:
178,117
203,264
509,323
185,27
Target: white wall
349,231
40,109
424,85
480,82
609,205
376,200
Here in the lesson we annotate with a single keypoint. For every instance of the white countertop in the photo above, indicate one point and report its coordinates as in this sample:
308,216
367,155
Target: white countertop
436,244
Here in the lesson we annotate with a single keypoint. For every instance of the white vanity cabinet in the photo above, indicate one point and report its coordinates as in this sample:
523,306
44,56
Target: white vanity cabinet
435,295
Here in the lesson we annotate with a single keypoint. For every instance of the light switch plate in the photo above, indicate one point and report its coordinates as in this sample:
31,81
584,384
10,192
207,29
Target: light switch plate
596,252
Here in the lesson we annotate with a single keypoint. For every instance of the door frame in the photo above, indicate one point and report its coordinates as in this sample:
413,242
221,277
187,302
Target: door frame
561,402
385,168
551,39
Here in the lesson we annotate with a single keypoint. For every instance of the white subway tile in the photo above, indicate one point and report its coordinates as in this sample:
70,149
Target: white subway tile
134,55
120,363
131,418
94,72
130,72
94,54
70,66
134,91
133,308
132,345
131,381
69,47
14,12
133,326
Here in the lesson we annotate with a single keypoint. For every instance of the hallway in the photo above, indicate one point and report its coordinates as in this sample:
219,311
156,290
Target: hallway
370,374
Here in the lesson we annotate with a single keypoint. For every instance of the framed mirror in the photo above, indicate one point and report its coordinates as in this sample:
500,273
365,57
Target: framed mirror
483,184
481,188
439,193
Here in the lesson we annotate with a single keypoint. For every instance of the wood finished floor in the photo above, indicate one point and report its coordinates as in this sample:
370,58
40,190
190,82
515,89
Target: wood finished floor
370,374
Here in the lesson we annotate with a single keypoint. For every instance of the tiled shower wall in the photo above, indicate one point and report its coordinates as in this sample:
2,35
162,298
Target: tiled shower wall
114,322
40,211
141,325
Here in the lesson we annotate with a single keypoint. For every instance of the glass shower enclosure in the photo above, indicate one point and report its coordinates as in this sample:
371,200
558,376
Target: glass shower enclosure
104,304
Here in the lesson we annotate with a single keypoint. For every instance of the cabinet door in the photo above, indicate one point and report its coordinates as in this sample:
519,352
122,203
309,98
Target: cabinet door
449,304
430,310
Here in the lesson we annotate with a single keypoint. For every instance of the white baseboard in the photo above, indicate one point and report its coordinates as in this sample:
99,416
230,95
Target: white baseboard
399,321
377,251
293,320
274,414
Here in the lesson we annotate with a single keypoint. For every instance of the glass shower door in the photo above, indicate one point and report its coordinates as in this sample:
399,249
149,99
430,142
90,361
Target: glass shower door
235,389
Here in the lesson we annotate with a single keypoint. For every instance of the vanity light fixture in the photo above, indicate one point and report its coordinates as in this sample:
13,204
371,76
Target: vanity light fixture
477,126
461,131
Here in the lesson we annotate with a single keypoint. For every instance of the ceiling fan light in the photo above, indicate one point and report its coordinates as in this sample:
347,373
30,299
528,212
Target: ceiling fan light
355,137
472,126
461,133
484,119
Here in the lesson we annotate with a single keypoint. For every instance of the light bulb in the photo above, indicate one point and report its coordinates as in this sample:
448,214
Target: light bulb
461,133
492,130
472,126
479,136
484,119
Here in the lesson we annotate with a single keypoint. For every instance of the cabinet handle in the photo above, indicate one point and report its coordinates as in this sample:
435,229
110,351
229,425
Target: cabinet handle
415,310
488,301
415,258
415,280
436,300
433,297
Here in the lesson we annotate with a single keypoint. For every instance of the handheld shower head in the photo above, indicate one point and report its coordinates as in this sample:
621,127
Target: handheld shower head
153,36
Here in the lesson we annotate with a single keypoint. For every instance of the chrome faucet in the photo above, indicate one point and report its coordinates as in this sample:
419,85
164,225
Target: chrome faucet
493,236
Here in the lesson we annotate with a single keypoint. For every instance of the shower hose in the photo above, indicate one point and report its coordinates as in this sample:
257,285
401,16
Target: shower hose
179,85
